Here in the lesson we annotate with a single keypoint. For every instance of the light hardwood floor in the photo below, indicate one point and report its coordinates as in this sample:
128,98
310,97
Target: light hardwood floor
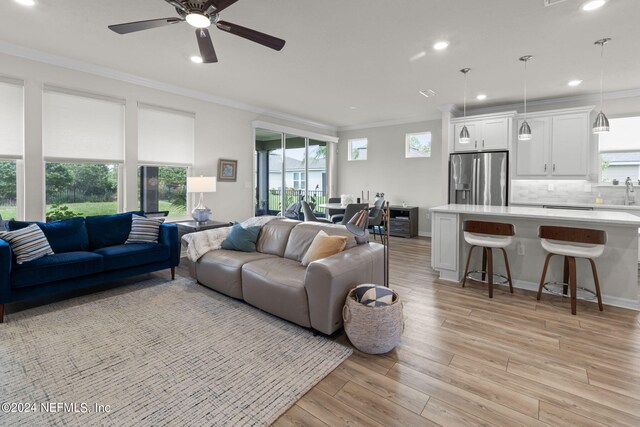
467,360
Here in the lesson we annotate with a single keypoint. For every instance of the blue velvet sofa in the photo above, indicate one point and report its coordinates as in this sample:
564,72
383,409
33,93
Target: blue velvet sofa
87,252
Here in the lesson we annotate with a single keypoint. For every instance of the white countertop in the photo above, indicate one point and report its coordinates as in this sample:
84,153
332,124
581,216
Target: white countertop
581,205
595,216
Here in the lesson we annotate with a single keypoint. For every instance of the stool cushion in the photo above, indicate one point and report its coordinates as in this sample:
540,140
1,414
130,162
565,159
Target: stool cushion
572,249
487,240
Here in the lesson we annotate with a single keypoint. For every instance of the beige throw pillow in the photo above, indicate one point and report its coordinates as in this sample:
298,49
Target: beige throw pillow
323,246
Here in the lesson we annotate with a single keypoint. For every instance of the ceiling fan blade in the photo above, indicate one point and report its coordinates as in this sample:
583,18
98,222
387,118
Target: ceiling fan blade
253,35
220,5
132,27
207,52
178,5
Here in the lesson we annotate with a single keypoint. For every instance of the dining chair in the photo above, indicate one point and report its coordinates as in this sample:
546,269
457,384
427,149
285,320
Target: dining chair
351,210
332,212
309,215
375,216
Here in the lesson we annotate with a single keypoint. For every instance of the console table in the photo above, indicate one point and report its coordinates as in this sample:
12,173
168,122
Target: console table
187,227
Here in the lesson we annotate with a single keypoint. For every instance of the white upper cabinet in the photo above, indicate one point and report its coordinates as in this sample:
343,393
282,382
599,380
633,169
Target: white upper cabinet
532,156
486,132
559,146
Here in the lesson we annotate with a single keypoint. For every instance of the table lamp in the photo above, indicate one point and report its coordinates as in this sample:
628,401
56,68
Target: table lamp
201,184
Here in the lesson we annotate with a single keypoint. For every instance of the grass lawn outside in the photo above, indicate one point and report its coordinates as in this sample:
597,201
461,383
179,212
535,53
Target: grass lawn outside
89,209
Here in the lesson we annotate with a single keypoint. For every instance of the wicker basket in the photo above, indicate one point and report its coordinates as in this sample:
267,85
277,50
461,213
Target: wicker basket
373,330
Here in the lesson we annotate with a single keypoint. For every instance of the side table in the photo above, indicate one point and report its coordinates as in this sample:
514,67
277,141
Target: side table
187,227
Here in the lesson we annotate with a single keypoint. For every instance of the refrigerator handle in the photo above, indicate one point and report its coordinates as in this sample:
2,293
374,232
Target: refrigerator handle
477,179
474,181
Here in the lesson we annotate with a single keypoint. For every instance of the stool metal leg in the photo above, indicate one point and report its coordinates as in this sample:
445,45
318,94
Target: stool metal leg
573,283
597,283
466,269
489,252
484,264
544,274
506,264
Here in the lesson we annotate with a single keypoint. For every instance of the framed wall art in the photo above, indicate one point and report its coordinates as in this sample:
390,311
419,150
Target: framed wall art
227,170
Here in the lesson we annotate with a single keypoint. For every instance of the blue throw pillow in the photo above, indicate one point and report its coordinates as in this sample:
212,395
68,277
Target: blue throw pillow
65,235
109,230
242,239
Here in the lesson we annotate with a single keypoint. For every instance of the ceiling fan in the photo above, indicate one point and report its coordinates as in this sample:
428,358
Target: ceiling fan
201,14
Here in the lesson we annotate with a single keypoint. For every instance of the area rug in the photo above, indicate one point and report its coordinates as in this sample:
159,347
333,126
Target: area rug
156,353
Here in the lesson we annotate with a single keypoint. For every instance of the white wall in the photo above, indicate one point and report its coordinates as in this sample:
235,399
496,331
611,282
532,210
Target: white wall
416,181
221,132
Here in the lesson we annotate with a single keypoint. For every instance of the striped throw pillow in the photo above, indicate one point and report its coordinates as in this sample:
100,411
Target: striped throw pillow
144,230
28,243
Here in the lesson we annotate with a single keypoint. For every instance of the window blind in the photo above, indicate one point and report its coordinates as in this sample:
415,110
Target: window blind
165,136
11,120
623,136
80,127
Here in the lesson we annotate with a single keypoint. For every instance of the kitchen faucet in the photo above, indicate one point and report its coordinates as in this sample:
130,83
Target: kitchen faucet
629,195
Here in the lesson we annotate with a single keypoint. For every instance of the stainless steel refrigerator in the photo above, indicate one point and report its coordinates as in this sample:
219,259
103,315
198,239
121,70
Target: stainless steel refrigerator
479,178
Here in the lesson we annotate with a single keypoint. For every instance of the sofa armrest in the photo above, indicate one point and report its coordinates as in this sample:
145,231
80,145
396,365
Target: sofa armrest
169,236
329,280
6,256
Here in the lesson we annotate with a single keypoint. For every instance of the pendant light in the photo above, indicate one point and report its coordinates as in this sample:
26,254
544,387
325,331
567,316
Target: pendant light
524,133
464,133
601,125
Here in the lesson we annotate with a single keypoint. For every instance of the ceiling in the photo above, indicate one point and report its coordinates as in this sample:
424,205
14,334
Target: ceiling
373,55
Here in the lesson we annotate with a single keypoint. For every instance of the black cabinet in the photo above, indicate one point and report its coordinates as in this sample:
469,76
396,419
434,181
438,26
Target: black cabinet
403,222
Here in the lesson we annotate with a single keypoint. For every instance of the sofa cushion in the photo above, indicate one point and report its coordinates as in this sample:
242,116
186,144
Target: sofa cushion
274,236
28,243
144,230
276,285
221,270
108,230
122,256
65,235
55,267
242,239
323,246
303,234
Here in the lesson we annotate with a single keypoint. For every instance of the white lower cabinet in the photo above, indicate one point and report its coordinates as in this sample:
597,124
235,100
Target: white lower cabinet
444,229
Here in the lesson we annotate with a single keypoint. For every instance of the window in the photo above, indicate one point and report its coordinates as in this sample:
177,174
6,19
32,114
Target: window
84,188
299,180
358,149
11,145
83,143
620,151
166,140
163,188
418,144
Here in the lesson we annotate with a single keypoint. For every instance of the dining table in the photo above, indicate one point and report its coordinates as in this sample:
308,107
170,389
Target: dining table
338,206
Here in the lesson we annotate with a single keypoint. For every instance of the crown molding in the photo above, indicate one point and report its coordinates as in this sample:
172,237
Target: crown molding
110,73
587,99
386,123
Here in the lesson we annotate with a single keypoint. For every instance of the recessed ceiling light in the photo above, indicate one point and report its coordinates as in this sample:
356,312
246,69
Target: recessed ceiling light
441,45
428,93
26,2
593,5
574,82
481,97
196,59
353,108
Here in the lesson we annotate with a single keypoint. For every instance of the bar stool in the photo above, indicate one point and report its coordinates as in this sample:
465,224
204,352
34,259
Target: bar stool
488,235
572,243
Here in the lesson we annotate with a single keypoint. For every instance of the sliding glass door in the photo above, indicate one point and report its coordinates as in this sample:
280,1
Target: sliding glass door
289,169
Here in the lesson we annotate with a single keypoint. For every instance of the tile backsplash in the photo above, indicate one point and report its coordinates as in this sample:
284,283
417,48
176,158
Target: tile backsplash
567,191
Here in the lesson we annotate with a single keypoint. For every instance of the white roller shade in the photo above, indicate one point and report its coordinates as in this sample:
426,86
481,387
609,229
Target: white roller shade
623,136
11,120
165,136
82,127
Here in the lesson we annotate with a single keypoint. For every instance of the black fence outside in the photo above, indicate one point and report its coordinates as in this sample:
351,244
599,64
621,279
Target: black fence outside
74,195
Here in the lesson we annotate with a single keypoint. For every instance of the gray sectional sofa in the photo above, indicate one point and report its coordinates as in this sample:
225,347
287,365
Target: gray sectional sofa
274,280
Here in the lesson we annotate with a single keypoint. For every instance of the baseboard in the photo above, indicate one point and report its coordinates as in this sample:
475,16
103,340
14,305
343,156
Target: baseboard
424,233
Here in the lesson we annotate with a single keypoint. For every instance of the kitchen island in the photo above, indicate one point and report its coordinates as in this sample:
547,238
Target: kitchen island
617,267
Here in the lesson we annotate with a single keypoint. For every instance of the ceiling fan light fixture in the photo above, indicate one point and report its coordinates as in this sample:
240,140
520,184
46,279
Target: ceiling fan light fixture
198,20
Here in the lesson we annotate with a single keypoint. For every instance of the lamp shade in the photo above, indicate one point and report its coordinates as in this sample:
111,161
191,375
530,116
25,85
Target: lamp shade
358,224
201,184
